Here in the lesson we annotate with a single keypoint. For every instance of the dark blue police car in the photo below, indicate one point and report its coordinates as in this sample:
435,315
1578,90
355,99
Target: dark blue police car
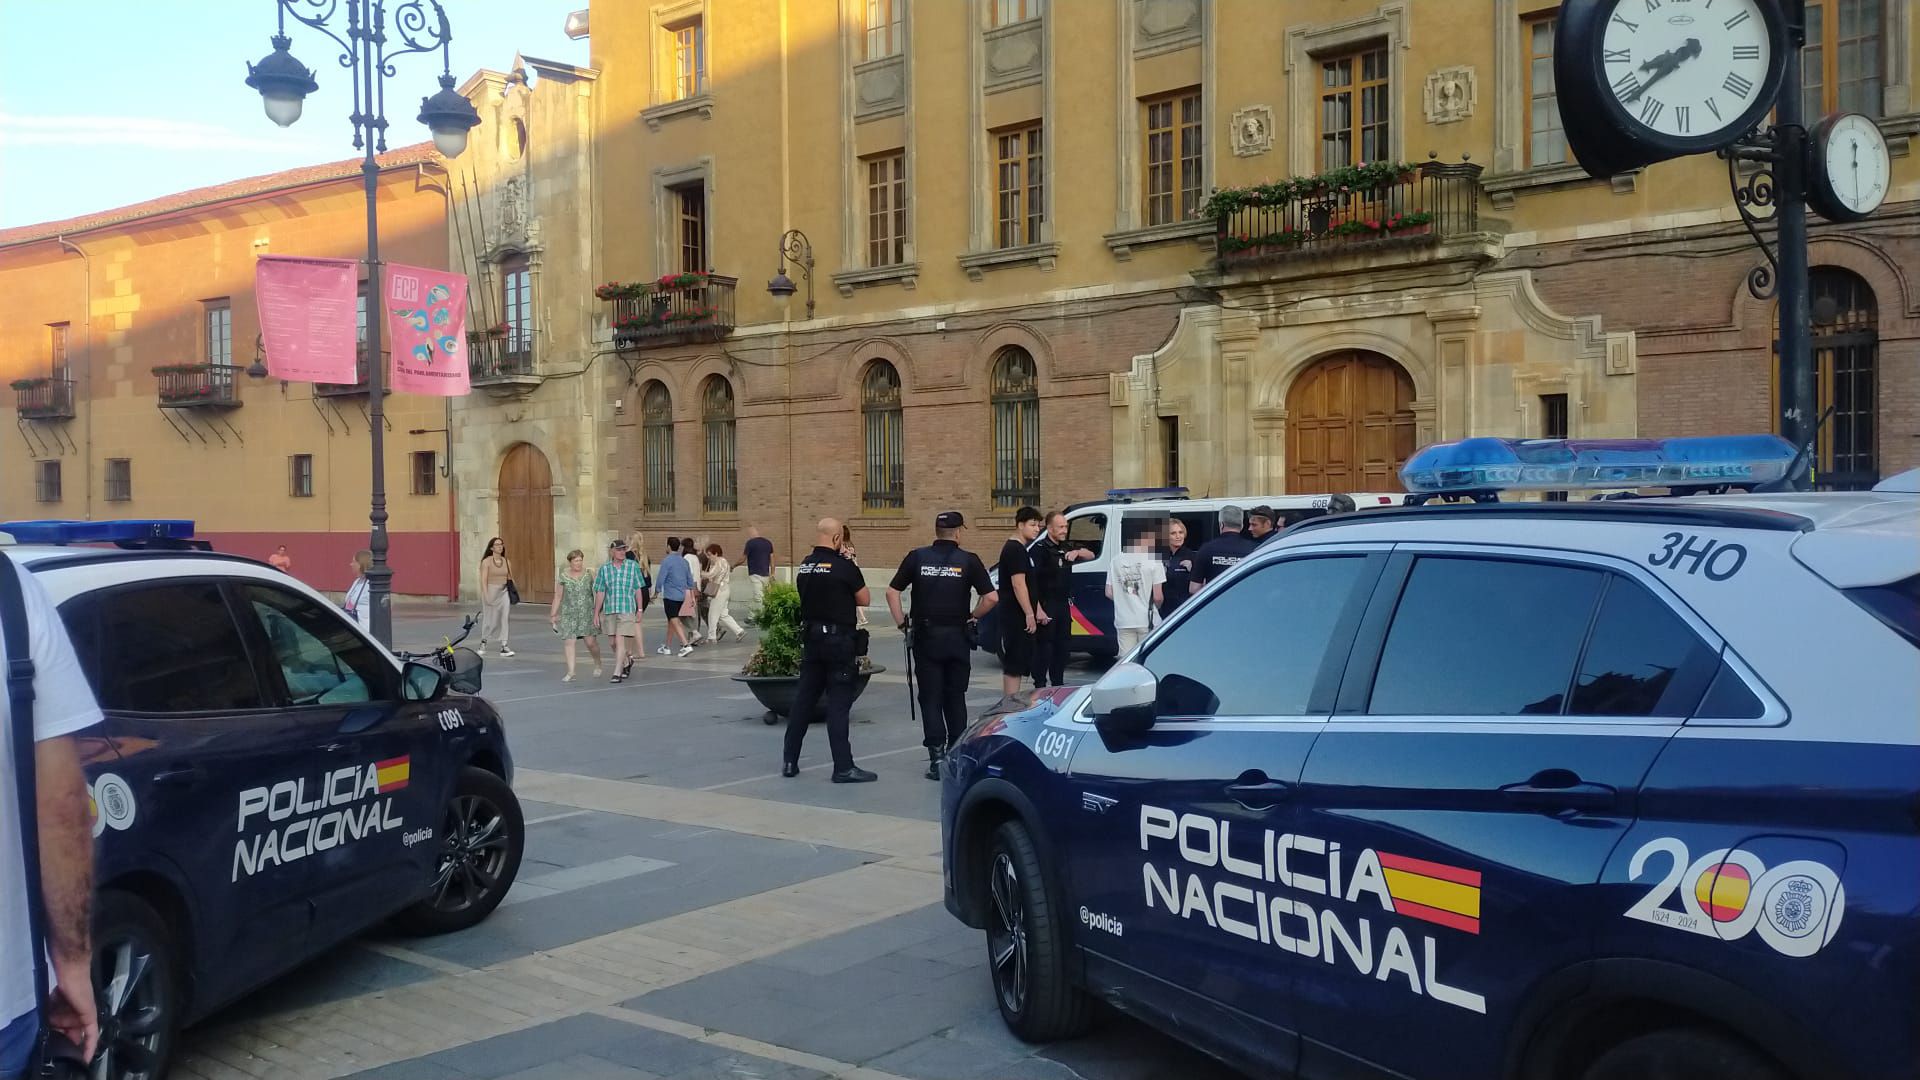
1592,790
268,782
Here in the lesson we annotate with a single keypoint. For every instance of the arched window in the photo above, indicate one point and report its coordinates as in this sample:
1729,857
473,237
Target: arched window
886,440
1846,355
716,421
1016,429
656,447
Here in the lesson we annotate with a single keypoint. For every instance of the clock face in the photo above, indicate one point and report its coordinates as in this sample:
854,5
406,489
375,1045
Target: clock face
1854,164
1687,71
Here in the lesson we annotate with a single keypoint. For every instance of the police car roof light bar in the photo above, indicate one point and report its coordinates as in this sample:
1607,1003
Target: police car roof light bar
1145,494
127,533
1471,467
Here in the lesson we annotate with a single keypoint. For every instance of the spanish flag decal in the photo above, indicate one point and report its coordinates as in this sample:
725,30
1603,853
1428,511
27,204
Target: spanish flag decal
393,773
1438,893
1082,626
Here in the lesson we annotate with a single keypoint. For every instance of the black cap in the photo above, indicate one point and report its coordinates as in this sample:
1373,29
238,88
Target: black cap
621,544
949,519
1261,511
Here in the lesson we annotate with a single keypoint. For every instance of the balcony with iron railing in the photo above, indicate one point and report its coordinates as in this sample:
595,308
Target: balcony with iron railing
496,358
203,385
676,310
1378,211
47,397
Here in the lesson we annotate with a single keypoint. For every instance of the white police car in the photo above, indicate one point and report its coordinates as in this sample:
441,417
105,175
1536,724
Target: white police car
1595,790
268,780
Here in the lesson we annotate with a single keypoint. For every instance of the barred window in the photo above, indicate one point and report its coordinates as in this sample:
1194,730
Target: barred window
656,447
119,479
1016,429
426,472
886,445
300,476
46,486
716,420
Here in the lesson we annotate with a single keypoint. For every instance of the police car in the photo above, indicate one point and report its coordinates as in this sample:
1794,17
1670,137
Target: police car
1596,790
268,781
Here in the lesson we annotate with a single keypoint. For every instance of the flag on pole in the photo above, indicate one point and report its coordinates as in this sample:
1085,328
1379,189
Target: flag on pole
306,311
427,321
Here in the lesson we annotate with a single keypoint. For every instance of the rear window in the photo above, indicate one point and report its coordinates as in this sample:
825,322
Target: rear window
1897,605
1088,531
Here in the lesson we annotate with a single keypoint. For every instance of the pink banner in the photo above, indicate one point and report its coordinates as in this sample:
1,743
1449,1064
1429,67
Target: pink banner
427,318
307,317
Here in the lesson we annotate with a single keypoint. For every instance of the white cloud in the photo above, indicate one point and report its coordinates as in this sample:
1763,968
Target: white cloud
153,133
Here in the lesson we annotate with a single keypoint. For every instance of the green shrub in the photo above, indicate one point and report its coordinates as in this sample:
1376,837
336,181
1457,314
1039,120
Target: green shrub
778,620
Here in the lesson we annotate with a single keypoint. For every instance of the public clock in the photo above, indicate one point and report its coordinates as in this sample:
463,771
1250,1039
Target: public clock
1646,80
1851,167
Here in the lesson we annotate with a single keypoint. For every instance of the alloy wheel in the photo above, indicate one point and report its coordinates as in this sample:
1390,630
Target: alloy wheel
1007,934
475,856
132,1006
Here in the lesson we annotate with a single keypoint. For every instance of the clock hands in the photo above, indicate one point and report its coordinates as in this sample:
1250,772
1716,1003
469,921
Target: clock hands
1663,66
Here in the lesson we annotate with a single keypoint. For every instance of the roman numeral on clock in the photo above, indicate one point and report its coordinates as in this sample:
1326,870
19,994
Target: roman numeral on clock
1653,5
1746,52
1650,111
1713,108
1738,85
1632,27
1738,19
1628,86
1619,56
1683,118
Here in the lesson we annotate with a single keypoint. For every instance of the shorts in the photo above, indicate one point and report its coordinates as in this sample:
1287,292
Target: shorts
626,624
671,609
18,1037
1016,646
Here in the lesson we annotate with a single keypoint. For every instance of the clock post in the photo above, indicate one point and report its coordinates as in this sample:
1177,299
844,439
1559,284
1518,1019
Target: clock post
1797,402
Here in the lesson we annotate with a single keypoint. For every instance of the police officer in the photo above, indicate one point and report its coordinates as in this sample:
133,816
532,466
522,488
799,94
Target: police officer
1218,555
832,590
944,579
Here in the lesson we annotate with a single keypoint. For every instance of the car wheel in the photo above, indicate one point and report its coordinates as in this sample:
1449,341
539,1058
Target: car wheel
1683,1054
1027,946
136,988
481,838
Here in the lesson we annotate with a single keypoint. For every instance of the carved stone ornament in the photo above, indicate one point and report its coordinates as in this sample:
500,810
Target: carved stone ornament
1162,18
1451,95
513,210
1014,54
1252,130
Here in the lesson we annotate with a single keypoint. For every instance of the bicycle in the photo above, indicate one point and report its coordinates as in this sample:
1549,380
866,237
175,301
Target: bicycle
463,666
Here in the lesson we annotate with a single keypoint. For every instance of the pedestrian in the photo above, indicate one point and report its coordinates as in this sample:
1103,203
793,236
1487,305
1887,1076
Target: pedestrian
831,590
702,623
280,560
1053,580
944,579
62,706
574,614
496,572
677,589
720,580
637,553
1135,583
759,553
1179,559
616,608
1260,521
690,611
1218,555
1022,618
357,603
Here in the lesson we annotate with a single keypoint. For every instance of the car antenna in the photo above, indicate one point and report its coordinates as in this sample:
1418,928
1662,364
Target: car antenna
1787,480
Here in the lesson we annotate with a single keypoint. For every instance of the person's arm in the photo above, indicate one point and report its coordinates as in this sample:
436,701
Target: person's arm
983,585
553,609
1021,597
1111,567
894,608
863,597
66,883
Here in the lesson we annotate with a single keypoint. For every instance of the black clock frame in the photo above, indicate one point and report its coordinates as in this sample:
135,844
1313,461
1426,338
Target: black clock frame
1602,136
1820,194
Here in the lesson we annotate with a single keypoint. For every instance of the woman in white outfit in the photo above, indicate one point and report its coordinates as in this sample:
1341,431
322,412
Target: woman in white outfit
495,571
356,602
718,585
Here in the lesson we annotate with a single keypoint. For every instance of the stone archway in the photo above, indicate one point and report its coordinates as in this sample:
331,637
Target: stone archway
526,520
1350,424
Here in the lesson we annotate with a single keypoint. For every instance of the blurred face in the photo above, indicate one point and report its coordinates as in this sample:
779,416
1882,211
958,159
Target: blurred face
1057,528
576,562
1177,534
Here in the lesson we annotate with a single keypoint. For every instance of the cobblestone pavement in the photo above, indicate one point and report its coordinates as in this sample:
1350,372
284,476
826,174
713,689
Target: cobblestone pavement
681,911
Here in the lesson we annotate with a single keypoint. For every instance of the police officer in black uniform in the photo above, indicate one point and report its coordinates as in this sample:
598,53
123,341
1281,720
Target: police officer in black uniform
832,590
1218,555
943,579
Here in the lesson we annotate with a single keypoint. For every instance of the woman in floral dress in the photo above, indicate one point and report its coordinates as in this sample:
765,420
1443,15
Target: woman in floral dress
572,611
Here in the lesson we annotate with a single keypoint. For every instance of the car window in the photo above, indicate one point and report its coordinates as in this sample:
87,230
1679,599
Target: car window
1484,637
165,648
1255,647
323,661
1087,531
1637,648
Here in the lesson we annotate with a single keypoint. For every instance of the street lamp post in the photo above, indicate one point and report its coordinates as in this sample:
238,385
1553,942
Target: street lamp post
794,245
284,83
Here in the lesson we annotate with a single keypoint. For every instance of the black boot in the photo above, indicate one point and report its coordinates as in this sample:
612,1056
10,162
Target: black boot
933,763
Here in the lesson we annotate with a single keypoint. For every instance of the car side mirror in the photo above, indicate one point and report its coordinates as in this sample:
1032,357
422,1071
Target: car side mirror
1125,700
422,682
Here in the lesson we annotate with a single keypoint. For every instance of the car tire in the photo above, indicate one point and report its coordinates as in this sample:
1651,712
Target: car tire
1683,1054
136,988
1027,944
482,835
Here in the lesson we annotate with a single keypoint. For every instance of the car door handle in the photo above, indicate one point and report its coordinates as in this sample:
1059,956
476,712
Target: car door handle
1560,789
180,776
1255,791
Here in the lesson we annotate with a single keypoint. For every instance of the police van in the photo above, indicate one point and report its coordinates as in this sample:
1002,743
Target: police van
1090,524
1595,790
268,780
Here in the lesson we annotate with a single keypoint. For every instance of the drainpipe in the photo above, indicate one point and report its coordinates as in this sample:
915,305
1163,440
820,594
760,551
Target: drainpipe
86,308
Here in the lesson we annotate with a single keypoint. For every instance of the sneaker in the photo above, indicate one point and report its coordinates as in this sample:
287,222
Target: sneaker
598,671
504,651
664,651
568,677
854,775
686,650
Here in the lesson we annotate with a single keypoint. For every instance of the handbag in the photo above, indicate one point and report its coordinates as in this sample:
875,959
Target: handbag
691,605
53,1056
513,592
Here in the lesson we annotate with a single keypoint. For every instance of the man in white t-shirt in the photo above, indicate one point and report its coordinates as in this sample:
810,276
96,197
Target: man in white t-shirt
1134,584
63,704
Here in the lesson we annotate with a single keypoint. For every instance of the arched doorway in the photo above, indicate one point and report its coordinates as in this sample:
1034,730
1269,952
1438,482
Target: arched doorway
1846,356
1349,424
526,520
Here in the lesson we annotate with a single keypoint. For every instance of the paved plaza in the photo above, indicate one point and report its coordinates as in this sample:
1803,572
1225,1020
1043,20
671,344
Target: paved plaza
681,911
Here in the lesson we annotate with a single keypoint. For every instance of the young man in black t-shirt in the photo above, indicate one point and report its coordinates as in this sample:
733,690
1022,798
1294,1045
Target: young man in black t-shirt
1020,607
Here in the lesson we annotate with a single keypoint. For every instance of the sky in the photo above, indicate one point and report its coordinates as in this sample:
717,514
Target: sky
109,102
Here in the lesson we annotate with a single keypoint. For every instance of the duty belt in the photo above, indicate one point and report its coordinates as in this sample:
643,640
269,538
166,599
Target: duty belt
827,627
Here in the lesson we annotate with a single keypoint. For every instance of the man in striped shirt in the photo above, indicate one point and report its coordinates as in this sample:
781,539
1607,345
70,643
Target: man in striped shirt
616,598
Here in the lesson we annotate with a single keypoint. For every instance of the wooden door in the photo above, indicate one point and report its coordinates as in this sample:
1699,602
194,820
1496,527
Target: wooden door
526,520
1349,425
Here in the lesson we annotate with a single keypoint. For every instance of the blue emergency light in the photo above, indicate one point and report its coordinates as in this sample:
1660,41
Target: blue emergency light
127,531
1144,494
1493,465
